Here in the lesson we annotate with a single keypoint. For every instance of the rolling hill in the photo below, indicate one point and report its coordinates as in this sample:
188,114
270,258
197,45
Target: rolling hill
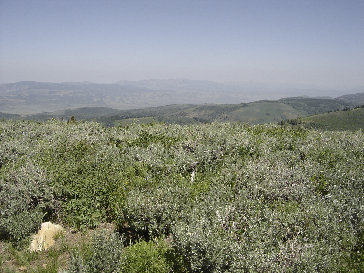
348,119
254,113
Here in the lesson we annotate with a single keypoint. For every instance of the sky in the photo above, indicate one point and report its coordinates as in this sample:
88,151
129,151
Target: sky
302,42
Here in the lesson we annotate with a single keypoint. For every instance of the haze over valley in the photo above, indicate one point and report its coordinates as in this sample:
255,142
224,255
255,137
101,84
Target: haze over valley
30,97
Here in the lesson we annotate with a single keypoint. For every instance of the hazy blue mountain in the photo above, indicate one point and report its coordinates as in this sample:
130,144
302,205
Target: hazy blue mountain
253,91
9,116
29,97
181,85
355,99
35,97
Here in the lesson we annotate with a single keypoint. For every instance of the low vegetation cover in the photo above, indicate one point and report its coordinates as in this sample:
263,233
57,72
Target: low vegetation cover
193,198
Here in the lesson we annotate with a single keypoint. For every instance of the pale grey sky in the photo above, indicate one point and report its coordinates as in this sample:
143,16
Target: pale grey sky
303,42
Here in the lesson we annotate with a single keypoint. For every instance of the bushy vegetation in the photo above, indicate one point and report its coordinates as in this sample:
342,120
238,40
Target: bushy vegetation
103,254
197,198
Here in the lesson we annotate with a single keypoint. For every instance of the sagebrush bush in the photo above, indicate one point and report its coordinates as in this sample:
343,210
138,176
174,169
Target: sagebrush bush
26,199
103,255
155,212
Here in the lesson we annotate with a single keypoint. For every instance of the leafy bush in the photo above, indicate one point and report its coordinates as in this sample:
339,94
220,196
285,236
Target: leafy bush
146,257
87,177
106,253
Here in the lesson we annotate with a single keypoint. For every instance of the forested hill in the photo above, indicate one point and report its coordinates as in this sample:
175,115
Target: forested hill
347,119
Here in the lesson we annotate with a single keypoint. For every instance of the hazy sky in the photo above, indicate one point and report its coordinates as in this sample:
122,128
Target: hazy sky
290,41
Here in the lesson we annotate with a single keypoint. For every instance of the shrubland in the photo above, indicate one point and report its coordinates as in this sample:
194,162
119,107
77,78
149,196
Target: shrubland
193,198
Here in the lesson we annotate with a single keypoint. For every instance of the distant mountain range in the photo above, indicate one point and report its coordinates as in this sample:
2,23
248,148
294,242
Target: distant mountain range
156,101
263,111
34,97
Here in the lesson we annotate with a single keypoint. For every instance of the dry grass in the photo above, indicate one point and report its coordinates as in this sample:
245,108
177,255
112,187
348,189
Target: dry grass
54,259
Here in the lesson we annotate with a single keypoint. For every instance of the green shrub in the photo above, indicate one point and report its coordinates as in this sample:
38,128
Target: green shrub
87,178
146,257
152,213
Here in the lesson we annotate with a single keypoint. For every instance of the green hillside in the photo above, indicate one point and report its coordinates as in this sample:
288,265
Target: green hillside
254,113
181,198
340,120
311,106
349,119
